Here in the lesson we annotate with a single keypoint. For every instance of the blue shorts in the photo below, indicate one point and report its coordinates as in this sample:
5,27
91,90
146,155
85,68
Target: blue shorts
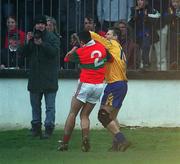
114,94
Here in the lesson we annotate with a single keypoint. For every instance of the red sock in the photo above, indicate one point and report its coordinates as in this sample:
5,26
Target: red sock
66,138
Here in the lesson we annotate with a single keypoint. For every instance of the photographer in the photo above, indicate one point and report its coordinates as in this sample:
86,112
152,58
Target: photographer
41,49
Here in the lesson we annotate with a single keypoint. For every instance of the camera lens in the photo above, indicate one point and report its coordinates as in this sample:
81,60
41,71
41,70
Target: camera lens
37,34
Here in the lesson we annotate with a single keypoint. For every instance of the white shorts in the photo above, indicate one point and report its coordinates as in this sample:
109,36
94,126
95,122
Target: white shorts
87,92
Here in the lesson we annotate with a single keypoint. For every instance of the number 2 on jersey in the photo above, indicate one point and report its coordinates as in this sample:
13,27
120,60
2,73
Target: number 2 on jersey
97,60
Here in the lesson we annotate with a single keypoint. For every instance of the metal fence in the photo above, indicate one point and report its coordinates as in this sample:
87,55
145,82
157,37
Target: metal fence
150,32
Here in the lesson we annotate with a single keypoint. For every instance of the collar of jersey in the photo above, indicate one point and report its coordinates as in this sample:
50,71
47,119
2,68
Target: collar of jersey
90,43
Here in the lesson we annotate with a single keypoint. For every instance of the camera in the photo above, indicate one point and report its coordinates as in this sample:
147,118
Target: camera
37,34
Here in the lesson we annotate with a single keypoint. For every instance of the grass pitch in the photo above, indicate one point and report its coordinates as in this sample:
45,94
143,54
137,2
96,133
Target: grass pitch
149,146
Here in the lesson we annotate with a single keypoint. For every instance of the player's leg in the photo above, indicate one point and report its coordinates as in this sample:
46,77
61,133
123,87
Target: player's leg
70,122
76,105
113,115
84,116
106,119
85,125
94,93
112,100
120,143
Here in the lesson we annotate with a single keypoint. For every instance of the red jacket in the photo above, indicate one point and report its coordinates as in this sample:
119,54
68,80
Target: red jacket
20,33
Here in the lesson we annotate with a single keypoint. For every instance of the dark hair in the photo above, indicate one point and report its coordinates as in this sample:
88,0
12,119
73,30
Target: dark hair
89,18
121,21
145,2
124,22
12,17
84,36
116,32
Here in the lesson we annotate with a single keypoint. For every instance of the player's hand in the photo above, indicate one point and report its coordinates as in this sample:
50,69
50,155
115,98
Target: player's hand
66,58
69,54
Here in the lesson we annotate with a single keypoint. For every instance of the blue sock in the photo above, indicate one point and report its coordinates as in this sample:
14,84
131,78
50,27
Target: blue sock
119,137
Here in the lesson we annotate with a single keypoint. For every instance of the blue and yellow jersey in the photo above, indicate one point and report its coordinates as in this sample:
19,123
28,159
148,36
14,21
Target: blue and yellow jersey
115,70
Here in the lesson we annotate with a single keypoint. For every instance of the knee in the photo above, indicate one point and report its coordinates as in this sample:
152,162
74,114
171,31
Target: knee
83,116
104,117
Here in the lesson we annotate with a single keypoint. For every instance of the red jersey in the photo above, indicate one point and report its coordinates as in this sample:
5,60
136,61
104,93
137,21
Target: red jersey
91,58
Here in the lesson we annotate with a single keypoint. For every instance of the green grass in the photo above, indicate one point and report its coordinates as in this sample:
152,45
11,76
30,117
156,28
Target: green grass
150,146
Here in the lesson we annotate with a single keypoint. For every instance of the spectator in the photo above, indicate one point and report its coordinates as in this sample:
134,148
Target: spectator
142,25
12,30
91,57
42,50
90,25
109,11
10,57
52,27
161,27
130,48
174,15
7,9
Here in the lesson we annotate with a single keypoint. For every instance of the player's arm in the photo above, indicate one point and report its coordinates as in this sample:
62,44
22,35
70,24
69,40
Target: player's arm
69,55
75,42
105,42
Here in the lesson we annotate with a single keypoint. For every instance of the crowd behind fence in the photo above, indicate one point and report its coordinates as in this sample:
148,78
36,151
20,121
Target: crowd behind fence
150,29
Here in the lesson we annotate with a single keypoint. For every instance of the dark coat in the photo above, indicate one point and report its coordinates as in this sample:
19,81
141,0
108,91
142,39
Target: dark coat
143,25
43,63
11,58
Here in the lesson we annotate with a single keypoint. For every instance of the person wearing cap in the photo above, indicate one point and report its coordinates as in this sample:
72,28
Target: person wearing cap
42,49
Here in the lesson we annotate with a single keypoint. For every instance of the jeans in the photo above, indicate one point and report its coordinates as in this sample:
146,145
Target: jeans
35,99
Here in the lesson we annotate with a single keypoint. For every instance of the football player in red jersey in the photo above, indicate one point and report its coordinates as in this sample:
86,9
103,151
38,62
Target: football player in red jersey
91,57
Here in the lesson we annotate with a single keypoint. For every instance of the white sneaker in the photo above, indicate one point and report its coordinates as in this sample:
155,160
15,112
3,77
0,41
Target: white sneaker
155,14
